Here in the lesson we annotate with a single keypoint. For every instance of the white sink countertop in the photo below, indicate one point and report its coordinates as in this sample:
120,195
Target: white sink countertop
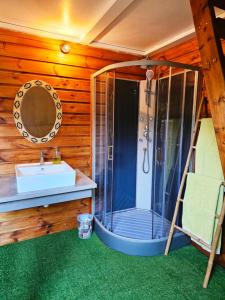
8,188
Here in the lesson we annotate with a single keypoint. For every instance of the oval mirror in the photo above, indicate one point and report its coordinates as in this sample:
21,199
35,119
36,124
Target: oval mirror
37,111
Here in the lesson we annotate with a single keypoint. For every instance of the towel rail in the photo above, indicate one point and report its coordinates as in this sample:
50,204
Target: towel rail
220,216
194,237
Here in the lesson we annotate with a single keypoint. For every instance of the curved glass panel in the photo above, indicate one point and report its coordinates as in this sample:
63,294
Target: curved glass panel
127,126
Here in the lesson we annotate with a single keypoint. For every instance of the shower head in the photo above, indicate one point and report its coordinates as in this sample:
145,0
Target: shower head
149,74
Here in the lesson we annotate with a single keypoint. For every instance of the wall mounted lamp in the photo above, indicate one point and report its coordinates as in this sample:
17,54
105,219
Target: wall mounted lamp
65,48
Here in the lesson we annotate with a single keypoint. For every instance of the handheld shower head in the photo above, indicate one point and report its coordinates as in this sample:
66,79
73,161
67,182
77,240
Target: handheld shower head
149,74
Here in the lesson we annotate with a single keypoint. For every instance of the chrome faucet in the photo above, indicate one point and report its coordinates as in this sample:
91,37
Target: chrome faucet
42,158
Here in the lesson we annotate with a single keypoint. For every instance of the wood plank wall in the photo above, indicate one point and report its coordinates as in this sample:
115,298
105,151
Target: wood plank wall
25,57
188,53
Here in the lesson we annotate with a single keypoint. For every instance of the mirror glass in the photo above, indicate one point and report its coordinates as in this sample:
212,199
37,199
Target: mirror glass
37,111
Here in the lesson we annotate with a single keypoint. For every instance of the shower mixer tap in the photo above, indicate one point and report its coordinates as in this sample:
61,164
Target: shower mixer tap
149,92
146,134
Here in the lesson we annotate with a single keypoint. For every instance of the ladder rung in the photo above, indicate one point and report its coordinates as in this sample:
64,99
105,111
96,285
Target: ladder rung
194,237
219,3
181,200
220,27
193,147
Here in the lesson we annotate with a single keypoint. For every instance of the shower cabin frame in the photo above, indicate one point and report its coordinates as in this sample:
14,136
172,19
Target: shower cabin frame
124,244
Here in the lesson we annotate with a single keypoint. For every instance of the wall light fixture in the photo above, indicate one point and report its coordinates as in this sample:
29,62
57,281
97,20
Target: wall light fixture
65,48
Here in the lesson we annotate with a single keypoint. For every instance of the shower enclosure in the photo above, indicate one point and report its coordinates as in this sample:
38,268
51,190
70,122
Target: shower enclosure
142,127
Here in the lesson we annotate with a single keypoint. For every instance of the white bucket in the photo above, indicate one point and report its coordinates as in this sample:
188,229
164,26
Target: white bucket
85,225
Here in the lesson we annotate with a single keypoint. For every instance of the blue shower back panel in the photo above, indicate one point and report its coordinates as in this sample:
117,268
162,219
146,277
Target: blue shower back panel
125,144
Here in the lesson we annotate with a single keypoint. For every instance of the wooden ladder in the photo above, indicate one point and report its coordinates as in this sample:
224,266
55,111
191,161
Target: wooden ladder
179,200
209,30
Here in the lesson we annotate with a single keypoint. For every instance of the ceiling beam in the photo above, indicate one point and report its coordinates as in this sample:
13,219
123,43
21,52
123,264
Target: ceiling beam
118,7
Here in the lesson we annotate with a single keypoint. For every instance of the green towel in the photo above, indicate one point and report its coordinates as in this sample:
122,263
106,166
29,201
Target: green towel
207,160
202,188
203,199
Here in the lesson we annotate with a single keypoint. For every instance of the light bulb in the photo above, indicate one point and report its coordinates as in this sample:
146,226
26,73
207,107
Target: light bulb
65,48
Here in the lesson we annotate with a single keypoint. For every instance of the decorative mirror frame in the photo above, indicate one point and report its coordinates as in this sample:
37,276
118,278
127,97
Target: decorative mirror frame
17,114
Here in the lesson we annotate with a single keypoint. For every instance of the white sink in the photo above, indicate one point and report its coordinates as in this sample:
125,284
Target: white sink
34,177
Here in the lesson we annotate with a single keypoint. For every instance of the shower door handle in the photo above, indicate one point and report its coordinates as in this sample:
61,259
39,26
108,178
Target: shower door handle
159,156
110,152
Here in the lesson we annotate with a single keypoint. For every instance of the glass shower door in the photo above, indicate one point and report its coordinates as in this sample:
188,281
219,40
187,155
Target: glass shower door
160,135
175,110
104,149
100,145
174,143
109,154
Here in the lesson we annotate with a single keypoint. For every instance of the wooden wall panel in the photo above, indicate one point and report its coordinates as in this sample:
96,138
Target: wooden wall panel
34,222
188,53
25,57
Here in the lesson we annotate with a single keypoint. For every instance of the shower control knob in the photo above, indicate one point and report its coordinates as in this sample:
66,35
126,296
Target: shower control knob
151,118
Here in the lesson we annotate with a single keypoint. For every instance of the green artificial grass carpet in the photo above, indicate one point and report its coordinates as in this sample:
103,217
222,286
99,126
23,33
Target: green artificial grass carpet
60,266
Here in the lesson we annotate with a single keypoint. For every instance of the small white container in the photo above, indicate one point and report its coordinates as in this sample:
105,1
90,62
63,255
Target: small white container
85,226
